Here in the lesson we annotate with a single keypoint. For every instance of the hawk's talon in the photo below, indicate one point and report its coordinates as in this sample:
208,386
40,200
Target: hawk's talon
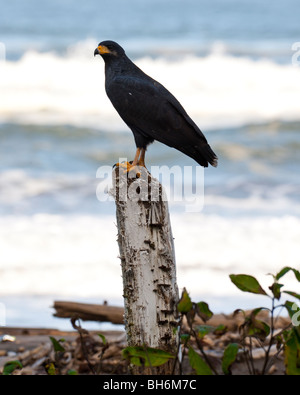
128,167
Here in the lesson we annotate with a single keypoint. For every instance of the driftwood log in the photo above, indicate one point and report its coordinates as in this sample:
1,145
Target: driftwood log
148,263
89,312
115,315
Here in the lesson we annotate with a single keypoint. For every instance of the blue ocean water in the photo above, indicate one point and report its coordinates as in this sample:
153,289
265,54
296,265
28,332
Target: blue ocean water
231,64
247,26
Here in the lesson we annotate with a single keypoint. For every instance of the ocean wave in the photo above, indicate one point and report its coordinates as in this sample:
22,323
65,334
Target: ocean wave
217,90
26,193
186,190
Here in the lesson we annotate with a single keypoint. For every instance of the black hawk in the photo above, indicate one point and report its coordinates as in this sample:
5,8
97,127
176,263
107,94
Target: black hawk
149,109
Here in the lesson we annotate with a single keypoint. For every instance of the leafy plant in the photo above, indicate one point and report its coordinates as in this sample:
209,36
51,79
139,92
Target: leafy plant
57,344
288,339
54,367
199,360
10,367
146,356
255,328
229,357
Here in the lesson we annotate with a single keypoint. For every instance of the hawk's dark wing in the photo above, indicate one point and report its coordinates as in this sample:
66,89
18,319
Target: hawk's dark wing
153,113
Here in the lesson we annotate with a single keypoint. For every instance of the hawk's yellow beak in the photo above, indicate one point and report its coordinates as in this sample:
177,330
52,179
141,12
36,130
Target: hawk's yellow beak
101,49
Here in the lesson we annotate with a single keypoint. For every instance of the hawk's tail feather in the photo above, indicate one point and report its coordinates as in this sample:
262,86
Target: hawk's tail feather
205,155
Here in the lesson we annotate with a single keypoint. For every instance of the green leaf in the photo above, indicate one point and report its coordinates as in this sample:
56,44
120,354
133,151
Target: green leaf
285,270
146,356
203,330
10,366
220,330
72,372
292,354
56,344
247,283
185,304
229,357
203,311
185,337
253,327
254,312
275,288
256,328
51,369
238,311
198,364
103,338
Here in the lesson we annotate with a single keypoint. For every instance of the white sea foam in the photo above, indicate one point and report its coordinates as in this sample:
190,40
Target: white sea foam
218,89
16,185
21,192
78,255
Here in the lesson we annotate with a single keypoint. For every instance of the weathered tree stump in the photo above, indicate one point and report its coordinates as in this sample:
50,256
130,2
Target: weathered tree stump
148,264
